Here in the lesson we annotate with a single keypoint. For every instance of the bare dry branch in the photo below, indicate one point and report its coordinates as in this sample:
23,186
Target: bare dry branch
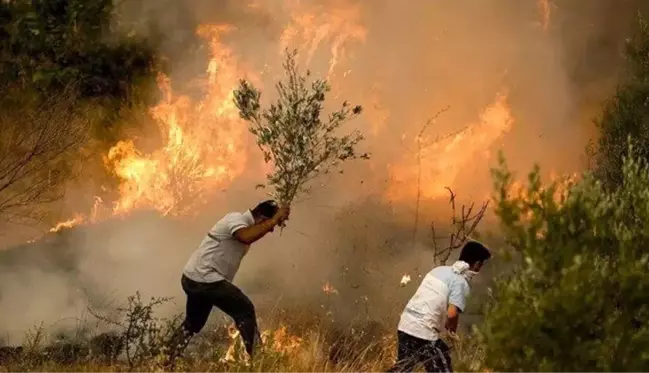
35,145
462,227
419,149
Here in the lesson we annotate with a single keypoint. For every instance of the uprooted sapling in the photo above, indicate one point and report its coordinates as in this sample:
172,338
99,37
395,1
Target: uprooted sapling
293,136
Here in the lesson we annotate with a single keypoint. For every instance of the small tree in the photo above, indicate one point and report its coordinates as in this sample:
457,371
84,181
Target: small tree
293,136
625,114
579,297
35,145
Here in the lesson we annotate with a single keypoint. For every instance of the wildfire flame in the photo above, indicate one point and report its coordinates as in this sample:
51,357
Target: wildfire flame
279,341
235,347
561,183
336,23
328,289
80,218
442,161
282,341
544,8
405,280
76,220
200,145
203,141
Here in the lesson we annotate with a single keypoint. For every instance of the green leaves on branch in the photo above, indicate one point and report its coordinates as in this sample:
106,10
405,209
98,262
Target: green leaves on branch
292,134
579,295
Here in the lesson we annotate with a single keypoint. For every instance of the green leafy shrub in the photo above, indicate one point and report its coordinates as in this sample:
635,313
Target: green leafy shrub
625,114
578,298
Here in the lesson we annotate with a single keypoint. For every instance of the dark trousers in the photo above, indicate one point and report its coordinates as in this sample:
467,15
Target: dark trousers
201,297
412,351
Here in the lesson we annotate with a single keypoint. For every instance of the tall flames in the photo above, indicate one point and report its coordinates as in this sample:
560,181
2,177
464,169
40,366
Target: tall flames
203,141
434,165
202,146
337,24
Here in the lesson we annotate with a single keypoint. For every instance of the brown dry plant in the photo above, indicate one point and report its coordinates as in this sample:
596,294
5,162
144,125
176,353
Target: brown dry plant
36,143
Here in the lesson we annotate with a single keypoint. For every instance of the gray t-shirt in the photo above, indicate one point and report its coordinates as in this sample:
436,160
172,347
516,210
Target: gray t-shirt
219,255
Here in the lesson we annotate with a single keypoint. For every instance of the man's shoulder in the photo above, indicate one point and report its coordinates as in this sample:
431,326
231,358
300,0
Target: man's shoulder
234,216
450,277
442,271
239,219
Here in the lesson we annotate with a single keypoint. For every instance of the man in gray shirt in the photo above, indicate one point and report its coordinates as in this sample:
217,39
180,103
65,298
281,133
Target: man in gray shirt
207,277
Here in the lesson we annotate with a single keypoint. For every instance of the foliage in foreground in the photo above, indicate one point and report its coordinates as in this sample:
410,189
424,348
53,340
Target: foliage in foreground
579,299
291,133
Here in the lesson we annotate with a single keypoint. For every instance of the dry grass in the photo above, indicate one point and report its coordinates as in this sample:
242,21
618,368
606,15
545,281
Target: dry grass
291,348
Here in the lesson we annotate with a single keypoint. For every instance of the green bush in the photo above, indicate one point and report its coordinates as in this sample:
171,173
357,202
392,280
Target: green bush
579,295
51,44
625,114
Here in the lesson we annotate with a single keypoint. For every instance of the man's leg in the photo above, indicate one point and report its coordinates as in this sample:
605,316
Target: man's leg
231,300
438,357
197,311
407,352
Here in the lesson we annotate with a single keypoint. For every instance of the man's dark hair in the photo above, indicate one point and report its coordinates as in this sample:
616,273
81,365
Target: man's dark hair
265,209
473,252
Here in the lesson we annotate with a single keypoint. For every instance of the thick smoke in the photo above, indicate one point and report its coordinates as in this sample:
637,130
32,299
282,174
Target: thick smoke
414,60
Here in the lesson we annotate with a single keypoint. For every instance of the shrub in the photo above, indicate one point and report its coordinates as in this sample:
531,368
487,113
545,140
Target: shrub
578,297
625,114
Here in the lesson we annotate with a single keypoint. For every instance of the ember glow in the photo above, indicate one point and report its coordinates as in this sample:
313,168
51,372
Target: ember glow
328,289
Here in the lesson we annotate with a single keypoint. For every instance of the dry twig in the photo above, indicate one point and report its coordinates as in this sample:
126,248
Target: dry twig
463,227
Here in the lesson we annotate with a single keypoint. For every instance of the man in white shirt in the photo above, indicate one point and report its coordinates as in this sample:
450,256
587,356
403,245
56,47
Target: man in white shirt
208,274
436,306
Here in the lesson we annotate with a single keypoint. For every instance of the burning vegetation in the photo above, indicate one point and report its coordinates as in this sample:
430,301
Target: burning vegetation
103,123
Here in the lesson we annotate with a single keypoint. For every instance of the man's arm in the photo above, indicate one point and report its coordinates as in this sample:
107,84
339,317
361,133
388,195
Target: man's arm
456,304
254,232
453,318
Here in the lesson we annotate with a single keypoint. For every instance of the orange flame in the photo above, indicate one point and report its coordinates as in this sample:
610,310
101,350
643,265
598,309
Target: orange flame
336,23
279,341
442,161
76,220
203,141
79,218
328,289
544,8
283,342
